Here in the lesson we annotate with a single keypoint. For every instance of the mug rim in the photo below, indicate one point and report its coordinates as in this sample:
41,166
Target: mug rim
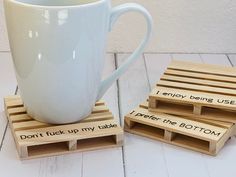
25,4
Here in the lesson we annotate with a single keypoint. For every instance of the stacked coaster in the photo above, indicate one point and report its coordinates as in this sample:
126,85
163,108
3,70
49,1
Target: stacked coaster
192,106
35,139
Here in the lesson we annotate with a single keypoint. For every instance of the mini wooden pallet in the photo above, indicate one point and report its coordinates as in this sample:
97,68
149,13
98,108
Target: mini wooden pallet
35,139
197,90
205,136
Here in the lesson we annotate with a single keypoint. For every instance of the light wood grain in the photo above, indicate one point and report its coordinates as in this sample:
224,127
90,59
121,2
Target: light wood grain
201,75
178,162
187,79
228,153
144,116
143,157
176,130
195,87
182,95
203,68
106,162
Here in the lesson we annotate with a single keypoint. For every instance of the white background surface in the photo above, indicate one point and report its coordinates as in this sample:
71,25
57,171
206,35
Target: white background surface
183,26
140,157
202,26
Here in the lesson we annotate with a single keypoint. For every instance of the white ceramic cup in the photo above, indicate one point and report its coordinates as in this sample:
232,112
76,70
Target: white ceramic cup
58,49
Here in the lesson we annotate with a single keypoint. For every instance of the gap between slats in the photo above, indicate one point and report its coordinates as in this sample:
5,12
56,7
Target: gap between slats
203,68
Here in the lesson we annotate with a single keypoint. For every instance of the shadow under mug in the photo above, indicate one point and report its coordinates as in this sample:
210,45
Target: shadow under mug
58,50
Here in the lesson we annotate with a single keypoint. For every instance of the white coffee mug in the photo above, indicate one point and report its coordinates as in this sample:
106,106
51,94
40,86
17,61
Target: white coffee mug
58,49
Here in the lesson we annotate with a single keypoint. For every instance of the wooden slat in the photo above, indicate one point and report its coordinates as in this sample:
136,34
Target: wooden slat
97,132
221,164
19,118
112,163
203,68
38,139
173,127
98,117
179,120
14,111
28,125
184,106
100,108
144,105
186,79
133,88
204,99
198,97
14,103
212,122
12,97
200,75
100,102
196,87
178,109
178,131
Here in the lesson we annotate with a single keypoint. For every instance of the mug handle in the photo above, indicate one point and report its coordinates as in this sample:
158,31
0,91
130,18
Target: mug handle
115,13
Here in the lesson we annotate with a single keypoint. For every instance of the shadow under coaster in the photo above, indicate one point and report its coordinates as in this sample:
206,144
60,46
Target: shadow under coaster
35,139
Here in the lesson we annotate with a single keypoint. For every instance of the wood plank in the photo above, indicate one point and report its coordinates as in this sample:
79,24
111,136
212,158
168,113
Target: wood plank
196,87
74,160
97,163
18,110
98,116
64,131
100,108
55,166
20,118
179,131
187,110
212,122
105,162
169,100
28,125
221,165
201,75
193,98
8,157
8,153
205,82
203,68
157,119
139,152
14,103
175,154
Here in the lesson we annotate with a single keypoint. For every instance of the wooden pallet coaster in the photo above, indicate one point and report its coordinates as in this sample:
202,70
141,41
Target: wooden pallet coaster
197,90
35,139
203,136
